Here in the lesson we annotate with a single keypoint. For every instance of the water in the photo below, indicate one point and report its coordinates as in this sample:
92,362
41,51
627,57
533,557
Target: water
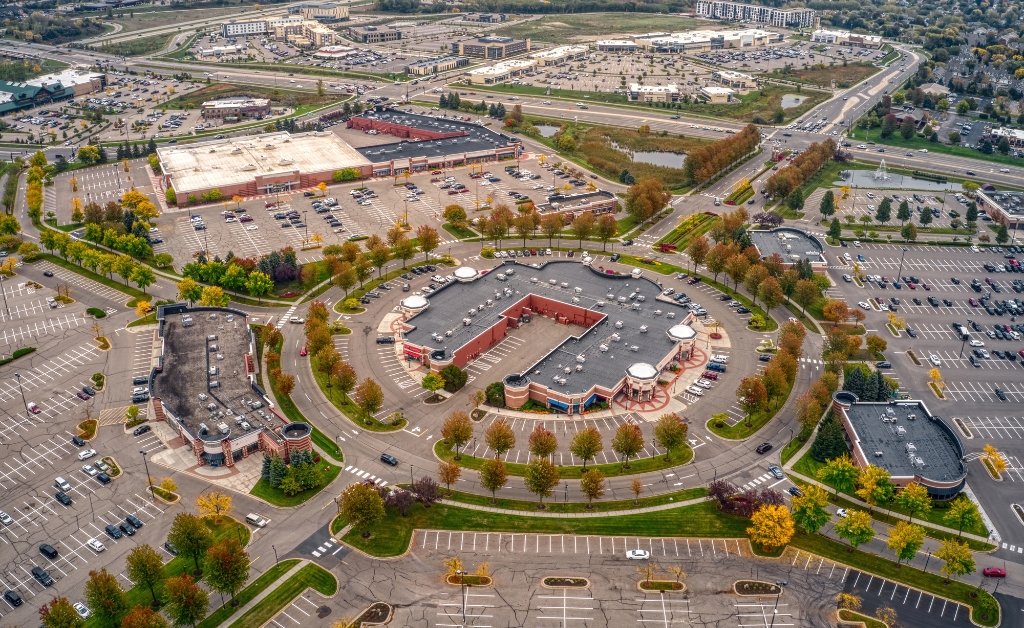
653,157
792,100
866,179
547,130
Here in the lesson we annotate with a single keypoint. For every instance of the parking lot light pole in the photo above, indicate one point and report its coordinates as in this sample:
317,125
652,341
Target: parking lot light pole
149,478
782,587
17,376
899,273
276,561
462,585
6,307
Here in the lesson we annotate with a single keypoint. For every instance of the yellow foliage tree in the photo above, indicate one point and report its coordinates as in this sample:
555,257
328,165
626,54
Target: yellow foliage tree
214,503
771,526
995,460
936,376
142,308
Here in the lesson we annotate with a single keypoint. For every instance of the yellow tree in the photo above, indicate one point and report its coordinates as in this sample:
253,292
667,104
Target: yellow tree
322,187
771,526
142,308
124,164
875,486
995,460
74,184
316,239
237,200
214,503
936,376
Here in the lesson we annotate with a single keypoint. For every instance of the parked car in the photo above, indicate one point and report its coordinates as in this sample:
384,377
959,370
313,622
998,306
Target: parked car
638,554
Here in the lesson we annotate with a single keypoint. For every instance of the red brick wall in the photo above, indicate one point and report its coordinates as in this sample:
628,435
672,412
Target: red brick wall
481,343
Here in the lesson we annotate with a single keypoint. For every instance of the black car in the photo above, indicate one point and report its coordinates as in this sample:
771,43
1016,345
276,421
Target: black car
725,297
48,551
103,478
44,578
62,498
140,398
170,548
955,280
743,310
140,430
385,340
615,257
407,276
135,521
763,447
12,598
113,532
999,393
78,441
627,243
140,380
764,357
911,332
974,362
883,365
46,273
795,491
127,528
389,459
89,391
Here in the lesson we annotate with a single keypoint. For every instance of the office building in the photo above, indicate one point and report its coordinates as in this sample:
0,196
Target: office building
755,14
846,38
654,93
425,67
491,47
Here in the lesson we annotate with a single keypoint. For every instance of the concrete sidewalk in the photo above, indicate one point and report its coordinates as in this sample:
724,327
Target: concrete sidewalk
242,610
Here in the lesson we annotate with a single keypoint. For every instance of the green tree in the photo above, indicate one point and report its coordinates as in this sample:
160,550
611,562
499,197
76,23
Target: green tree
795,200
432,382
874,486
962,513
835,229
362,507
903,213
457,429
958,558
369,397
541,478
809,509
145,567
884,212
143,277
855,528
187,602
59,613
840,473
909,232
106,598
493,476
191,537
586,444
828,204
1002,235
189,290
914,498
627,442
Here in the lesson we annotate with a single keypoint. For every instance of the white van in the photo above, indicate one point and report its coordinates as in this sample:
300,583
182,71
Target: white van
721,359
636,273
62,484
1004,170
255,520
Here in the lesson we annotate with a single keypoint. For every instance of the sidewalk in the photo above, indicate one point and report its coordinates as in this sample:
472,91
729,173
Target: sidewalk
242,610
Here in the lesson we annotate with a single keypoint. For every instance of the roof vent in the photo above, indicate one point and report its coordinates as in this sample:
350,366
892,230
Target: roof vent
581,358
603,348
579,367
618,324
901,431
878,454
615,338
567,370
634,348
643,329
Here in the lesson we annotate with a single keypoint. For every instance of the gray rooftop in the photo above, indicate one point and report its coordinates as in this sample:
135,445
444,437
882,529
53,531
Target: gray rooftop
787,243
1011,202
186,373
476,137
937,450
451,304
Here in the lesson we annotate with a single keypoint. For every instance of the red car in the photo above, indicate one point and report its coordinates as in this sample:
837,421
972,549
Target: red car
994,572
926,286
82,396
709,375
303,351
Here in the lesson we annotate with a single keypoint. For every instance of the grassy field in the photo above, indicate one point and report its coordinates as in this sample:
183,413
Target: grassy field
391,537
563,28
310,576
246,595
576,507
763,103
641,465
277,97
140,596
602,149
155,15
915,143
348,407
139,46
757,420
276,496
822,75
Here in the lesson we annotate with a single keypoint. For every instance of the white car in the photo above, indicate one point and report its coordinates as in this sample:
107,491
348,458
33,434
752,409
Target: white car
976,343
934,359
841,513
5,518
547,102
298,320
82,610
89,470
231,219
86,454
983,353
721,359
638,554
703,383
96,545
847,278
693,390
251,228
864,305
846,256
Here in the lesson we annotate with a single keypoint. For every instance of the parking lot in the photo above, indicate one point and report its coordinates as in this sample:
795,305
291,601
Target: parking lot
982,394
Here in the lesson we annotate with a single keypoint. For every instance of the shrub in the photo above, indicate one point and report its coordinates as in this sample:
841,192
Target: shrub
454,378
95,312
496,394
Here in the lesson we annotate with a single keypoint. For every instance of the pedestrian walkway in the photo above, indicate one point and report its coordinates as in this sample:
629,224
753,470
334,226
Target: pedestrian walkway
242,610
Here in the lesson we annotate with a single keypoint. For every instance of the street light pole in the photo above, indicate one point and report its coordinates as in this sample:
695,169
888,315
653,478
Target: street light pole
276,560
6,307
899,273
149,478
782,587
462,586
17,376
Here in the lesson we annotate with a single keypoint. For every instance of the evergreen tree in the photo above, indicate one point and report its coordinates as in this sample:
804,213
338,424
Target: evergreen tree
884,212
265,471
855,383
830,441
278,469
1002,236
828,204
903,213
136,153
151,147
871,388
492,112
884,389
972,212
501,111
443,103
103,155
120,152
835,229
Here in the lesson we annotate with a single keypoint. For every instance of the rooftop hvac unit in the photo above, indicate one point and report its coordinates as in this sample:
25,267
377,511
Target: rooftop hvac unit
534,280
553,282
575,299
562,380
912,416
599,304
489,303
901,431
670,315
467,321
203,428
579,367
212,337
211,406
480,307
878,454
223,428
448,334
616,337
578,290
215,384
472,312
657,312
610,295
890,412
581,358
618,324
634,348
567,370
635,307
643,329
918,462
603,348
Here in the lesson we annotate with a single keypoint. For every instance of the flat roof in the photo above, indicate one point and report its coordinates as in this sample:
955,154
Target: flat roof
451,304
67,78
187,359
557,52
426,63
477,138
238,160
712,89
792,244
235,102
653,89
732,74
703,36
616,42
503,67
1011,203
936,452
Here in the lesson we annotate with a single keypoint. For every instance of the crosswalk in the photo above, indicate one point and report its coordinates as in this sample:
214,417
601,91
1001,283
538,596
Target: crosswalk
287,316
366,475
326,547
761,479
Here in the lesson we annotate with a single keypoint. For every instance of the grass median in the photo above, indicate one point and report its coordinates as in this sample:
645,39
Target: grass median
758,419
575,472
577,507
328,470
309,577
247,594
